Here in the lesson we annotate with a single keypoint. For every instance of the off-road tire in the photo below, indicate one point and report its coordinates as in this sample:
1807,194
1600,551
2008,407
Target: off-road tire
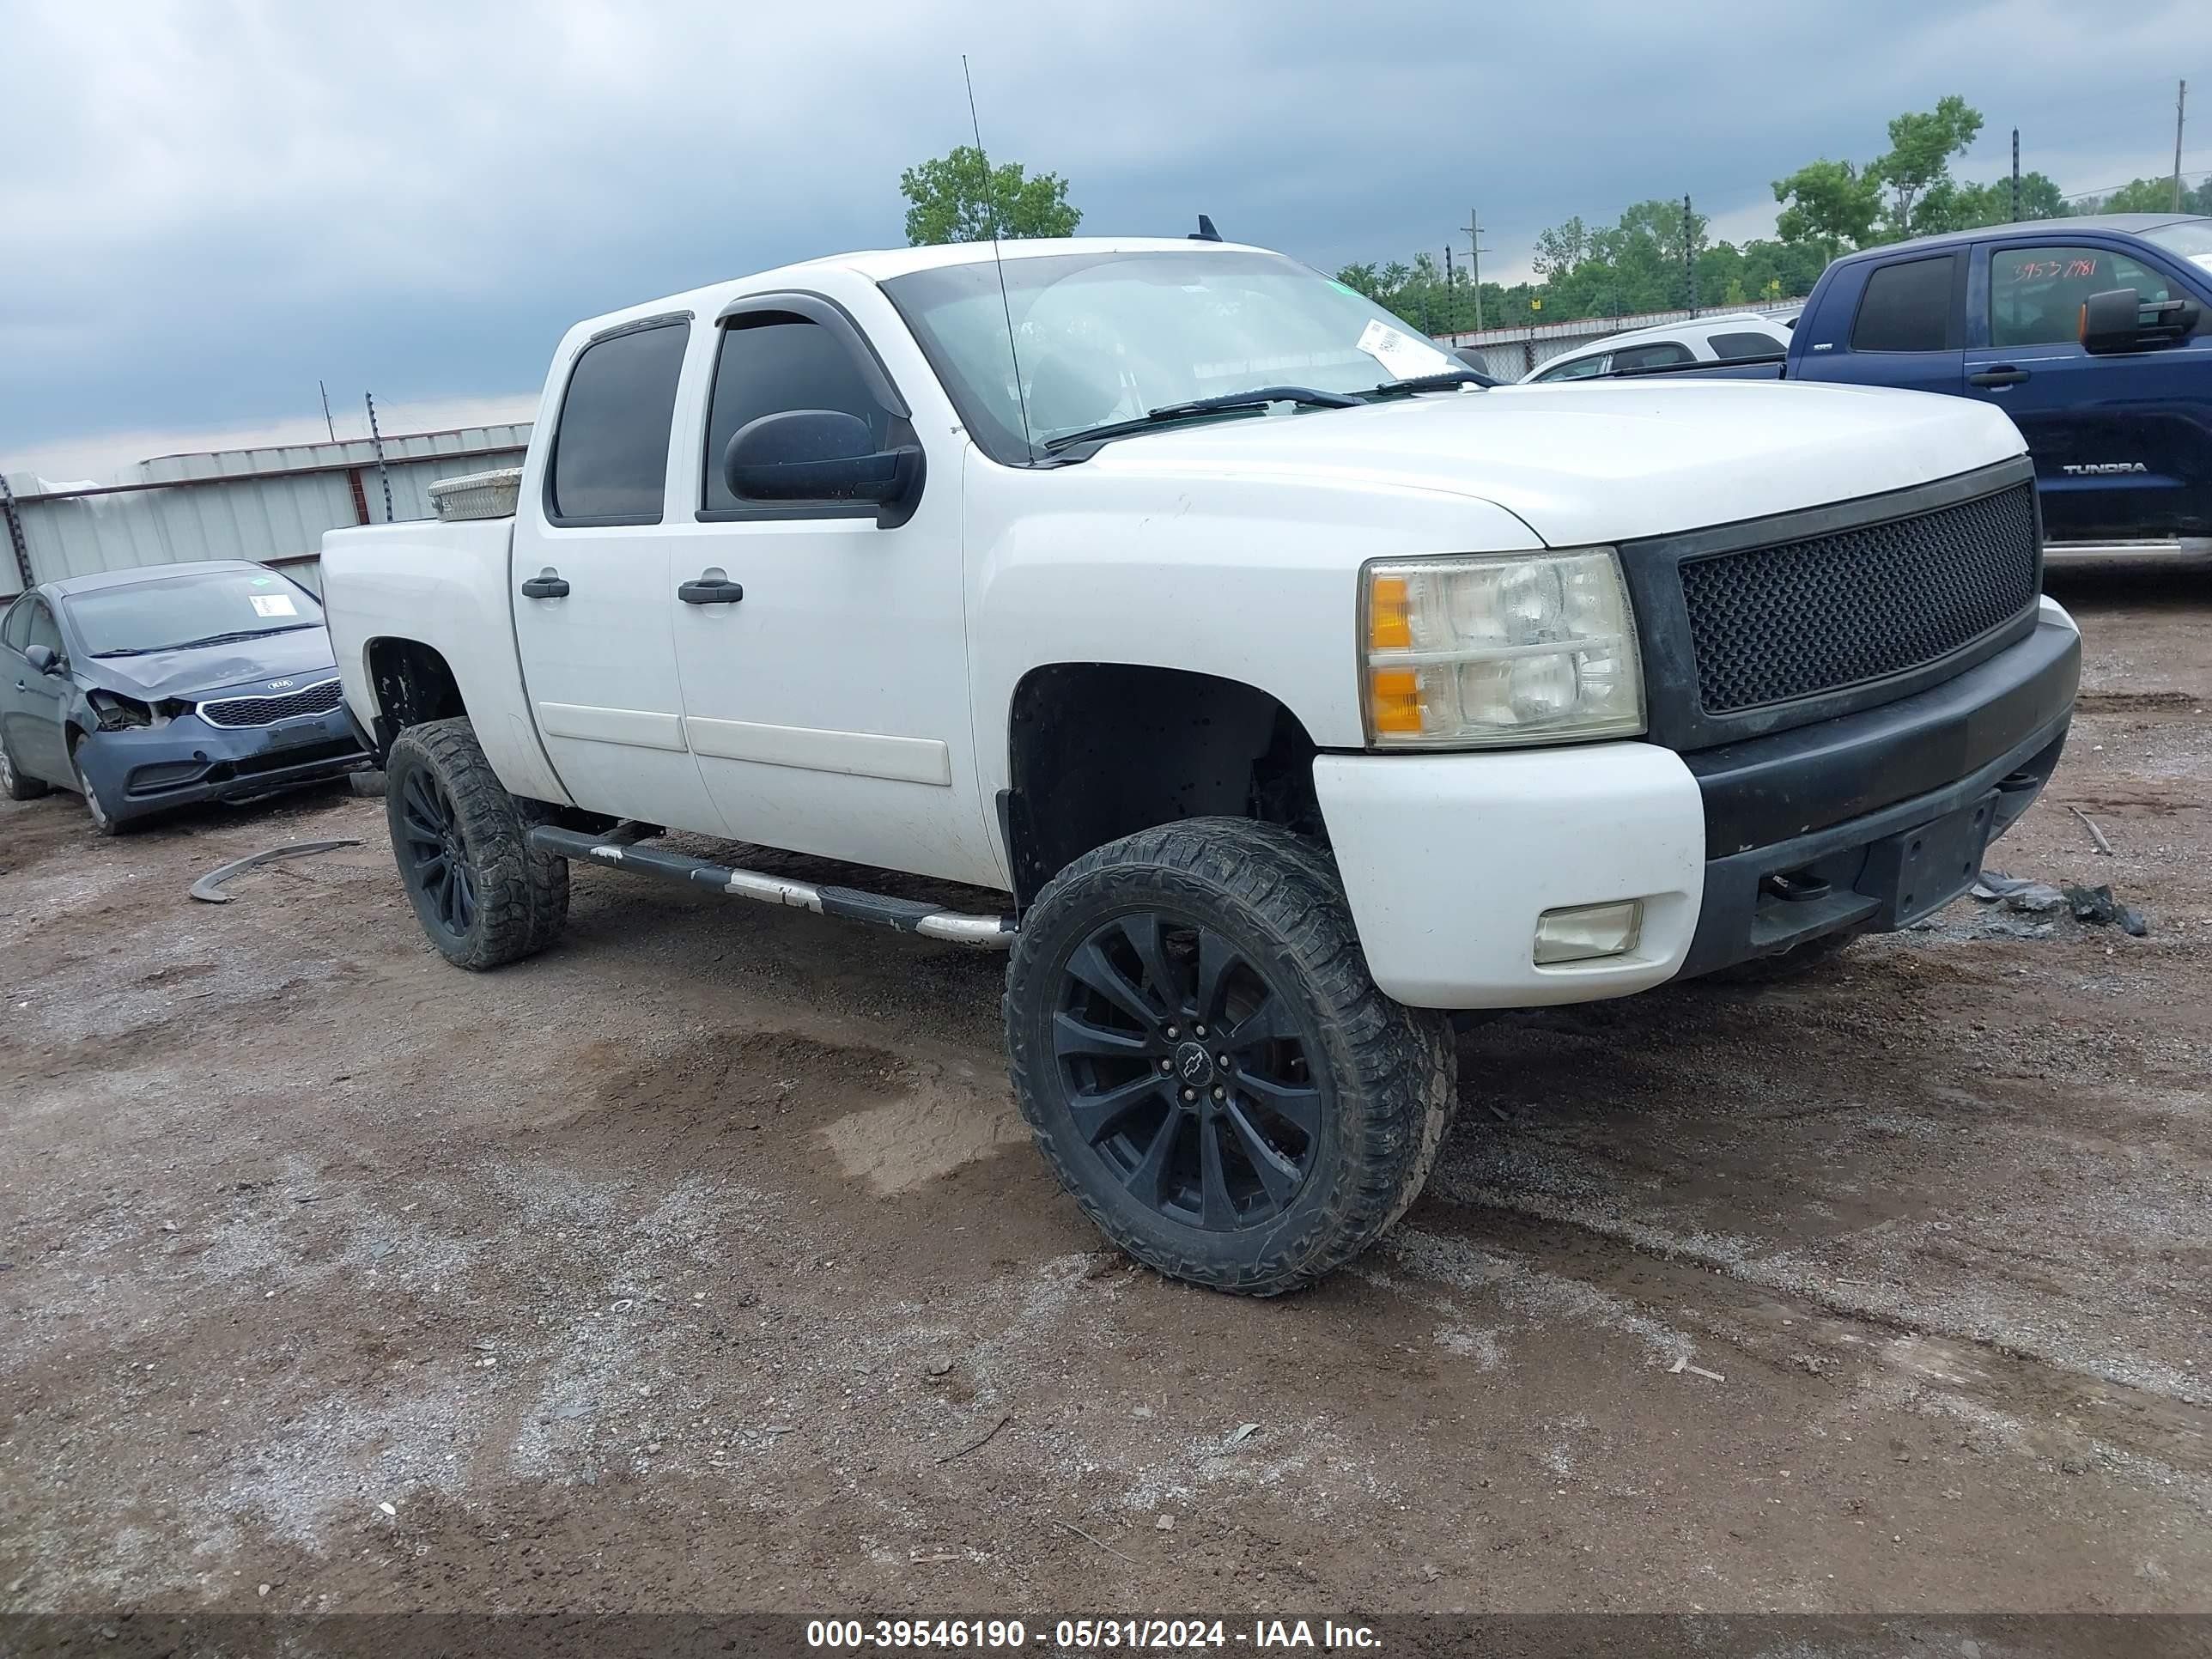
1796,963
1387,1073
521,895
103,822
14,782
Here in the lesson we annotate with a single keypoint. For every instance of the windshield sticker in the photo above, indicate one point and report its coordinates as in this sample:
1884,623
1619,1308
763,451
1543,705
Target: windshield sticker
262,581
273,605
1401,356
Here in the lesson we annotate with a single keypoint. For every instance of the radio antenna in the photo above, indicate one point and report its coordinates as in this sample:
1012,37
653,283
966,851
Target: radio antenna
1005,306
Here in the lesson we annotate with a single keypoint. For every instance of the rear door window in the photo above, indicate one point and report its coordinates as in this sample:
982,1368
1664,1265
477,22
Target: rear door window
610,449
1908,306
1660,353
1728,348
2036,294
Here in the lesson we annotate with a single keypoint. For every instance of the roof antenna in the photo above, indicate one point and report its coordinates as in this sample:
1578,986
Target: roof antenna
1206,232
1005,306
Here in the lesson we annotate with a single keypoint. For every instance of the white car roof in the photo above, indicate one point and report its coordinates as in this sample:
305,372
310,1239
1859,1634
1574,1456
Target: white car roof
1688,329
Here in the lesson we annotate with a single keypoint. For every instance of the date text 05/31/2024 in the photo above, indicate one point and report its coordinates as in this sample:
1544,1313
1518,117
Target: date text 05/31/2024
1086,1634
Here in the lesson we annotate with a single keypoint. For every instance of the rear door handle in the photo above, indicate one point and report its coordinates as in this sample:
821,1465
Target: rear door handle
711,586
2002,375
547,583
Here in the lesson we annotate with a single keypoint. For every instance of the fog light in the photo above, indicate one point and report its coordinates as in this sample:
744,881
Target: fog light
1586,931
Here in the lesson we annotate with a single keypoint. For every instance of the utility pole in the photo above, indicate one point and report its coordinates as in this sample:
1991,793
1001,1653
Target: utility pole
2180,103
1689,254
327,421
1451,292
1475,252
2015,175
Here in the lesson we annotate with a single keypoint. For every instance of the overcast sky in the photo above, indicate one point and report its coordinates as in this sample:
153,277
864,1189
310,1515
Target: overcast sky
206,207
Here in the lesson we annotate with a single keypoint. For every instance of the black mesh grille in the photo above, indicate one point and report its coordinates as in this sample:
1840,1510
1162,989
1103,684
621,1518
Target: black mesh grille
267,711
1772,624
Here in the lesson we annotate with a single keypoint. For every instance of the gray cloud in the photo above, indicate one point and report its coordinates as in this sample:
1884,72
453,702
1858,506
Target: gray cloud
211,206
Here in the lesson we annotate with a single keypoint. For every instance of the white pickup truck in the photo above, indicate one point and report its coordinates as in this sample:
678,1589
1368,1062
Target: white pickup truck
1296,690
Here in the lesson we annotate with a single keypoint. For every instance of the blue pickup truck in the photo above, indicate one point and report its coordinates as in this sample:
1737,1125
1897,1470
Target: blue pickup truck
2089,332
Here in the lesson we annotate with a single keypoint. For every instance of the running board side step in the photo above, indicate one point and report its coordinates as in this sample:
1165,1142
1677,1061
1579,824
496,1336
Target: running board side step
907,915
2155,547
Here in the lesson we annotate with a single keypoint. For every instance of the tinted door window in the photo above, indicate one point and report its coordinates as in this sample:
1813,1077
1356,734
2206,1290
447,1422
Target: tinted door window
1730,347
610,450
773,364
44,629
1906,308
1581,369
2036,292
1663,354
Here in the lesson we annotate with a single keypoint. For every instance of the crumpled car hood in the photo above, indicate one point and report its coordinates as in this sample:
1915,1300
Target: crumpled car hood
302,656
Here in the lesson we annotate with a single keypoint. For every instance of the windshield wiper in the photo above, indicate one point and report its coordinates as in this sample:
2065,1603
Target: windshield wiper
1443,380
212,639
1258,397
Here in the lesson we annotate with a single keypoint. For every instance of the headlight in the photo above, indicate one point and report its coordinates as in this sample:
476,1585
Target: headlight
1492,650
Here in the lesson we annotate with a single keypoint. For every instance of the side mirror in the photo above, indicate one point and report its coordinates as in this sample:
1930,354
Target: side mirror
819,455
46,659
2119,319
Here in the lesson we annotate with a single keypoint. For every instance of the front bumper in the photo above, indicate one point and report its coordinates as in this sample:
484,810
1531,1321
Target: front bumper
1862,822
140,769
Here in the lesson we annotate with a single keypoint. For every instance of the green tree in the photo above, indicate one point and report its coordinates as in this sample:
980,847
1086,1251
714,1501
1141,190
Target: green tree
2148,196
1562,247
952,199
1921,145
1949,205
1830,203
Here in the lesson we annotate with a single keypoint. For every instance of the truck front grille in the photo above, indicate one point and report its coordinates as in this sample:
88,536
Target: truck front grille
1798,619
317,699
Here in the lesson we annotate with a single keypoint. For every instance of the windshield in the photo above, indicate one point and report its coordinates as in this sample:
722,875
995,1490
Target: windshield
202,608
2191,238
1106,336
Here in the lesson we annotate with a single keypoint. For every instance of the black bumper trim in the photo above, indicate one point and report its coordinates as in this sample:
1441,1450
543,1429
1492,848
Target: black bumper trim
1858,861
1768,791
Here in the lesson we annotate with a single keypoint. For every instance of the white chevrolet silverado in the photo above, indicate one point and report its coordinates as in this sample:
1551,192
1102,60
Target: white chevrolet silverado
1296,689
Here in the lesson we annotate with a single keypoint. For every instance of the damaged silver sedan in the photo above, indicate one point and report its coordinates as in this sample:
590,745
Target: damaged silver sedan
151,689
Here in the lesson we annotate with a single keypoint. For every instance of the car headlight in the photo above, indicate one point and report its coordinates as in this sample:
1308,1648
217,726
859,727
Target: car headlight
1489,650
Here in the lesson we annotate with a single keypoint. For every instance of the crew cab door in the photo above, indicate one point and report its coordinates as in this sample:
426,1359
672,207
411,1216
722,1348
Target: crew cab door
594,598
2122,442
828,706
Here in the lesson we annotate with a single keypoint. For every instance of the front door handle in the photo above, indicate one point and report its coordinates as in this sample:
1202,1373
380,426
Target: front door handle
2002,375
711,586
22,685
547,583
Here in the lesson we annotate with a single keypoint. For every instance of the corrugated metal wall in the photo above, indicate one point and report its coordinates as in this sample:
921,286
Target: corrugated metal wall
269,505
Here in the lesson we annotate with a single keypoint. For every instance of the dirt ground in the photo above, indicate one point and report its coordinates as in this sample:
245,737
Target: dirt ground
701,1263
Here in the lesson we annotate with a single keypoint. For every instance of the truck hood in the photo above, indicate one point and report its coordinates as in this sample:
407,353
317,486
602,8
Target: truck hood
303,653
1606,463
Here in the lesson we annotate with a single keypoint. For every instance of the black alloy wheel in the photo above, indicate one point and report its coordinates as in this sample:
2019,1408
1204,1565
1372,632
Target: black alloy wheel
1184,1070
433,855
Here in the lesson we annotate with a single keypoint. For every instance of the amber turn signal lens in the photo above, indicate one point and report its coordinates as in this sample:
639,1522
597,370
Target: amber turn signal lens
1390,616
1395,699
